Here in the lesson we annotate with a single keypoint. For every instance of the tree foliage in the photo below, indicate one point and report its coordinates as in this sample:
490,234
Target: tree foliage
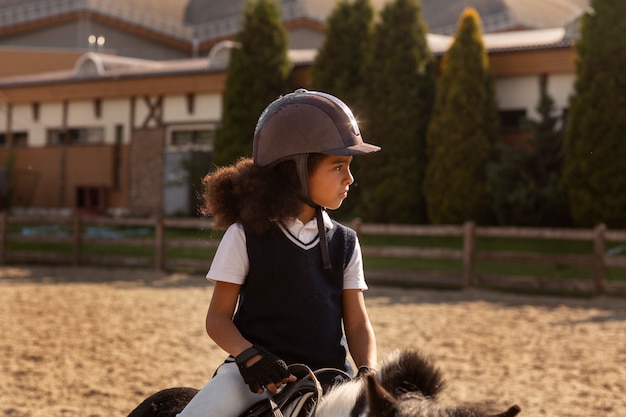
257,74
595,167
526,183
463,131
399,100
340,69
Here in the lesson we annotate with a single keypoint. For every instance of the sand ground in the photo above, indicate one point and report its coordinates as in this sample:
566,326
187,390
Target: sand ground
87,342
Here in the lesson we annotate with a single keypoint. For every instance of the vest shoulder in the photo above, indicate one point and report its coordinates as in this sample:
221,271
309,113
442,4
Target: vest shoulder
343,229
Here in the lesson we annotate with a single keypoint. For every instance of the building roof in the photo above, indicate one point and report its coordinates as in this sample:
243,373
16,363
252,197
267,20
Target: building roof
526,39
198,12
501,15
217,19
25,15
509,41
93,65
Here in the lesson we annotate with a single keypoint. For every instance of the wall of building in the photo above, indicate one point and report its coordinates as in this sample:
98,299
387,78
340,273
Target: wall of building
74,35
305,38
82,113
524,92
519,63
17,61
50,175
561,88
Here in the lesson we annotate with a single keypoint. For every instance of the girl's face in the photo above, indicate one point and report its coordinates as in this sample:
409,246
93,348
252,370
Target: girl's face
330,180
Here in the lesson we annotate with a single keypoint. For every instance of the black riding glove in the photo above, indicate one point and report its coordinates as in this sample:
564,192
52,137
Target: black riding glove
267,370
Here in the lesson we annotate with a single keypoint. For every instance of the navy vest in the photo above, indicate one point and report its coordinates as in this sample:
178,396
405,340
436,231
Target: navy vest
290,304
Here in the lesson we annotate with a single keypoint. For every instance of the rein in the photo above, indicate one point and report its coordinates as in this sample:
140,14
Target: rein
296,399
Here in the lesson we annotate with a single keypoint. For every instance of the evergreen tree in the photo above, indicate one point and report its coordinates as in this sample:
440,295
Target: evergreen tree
339,69
463,131
525,183
257,74
595,166
399,99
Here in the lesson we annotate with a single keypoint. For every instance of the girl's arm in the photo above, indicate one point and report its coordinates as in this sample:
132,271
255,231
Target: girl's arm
358,328
219,319
220,327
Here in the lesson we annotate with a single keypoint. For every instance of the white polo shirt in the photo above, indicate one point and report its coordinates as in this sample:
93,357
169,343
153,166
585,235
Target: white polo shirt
231,264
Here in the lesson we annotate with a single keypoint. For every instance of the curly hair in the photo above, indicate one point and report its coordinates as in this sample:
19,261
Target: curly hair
253,196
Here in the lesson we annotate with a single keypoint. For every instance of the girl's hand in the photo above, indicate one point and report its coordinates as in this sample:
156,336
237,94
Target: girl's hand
261,369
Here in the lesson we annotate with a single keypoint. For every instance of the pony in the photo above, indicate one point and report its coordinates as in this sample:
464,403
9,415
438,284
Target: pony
406,384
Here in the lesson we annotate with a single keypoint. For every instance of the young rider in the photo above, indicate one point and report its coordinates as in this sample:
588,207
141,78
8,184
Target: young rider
288,280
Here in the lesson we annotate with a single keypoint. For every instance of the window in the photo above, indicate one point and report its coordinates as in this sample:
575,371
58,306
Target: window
94,135
204,138
20,139
512,120
91,198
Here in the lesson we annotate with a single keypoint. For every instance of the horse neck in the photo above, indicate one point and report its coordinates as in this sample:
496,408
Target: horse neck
340,400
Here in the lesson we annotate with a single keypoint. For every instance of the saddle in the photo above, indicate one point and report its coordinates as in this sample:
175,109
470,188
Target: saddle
299,398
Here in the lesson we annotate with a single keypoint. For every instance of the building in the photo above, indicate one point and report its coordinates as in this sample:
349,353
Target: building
176,29
113,134
92,130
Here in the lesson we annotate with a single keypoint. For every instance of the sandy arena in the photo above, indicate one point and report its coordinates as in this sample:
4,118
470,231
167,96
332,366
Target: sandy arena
86,342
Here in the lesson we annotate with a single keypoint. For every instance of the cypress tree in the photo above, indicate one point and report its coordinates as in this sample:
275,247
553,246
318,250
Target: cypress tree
595,166
339,69
526,183
399,99
257,74
462,134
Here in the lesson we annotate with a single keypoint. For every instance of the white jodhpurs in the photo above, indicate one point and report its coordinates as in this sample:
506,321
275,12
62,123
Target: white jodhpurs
226,395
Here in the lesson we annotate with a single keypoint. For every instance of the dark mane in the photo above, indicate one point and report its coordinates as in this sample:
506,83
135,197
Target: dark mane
410,371
407,385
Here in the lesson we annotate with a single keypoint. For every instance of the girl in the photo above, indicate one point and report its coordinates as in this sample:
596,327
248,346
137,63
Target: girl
288,279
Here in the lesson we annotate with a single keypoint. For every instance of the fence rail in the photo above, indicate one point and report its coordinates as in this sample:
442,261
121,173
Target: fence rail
597,260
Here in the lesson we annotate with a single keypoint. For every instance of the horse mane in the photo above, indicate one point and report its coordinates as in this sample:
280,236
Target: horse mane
408,384
406,371
403,373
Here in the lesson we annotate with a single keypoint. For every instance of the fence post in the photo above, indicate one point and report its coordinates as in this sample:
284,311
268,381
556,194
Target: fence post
469,253
599,247
3,237
78,238
159,237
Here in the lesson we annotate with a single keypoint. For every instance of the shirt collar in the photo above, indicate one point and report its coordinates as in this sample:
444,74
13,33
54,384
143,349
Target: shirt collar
306,232
328,223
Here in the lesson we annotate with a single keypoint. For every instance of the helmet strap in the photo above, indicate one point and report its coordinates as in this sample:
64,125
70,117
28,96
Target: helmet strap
302,169
321,229
321,232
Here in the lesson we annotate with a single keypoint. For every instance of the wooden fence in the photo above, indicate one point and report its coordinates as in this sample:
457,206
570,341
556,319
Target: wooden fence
597,260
